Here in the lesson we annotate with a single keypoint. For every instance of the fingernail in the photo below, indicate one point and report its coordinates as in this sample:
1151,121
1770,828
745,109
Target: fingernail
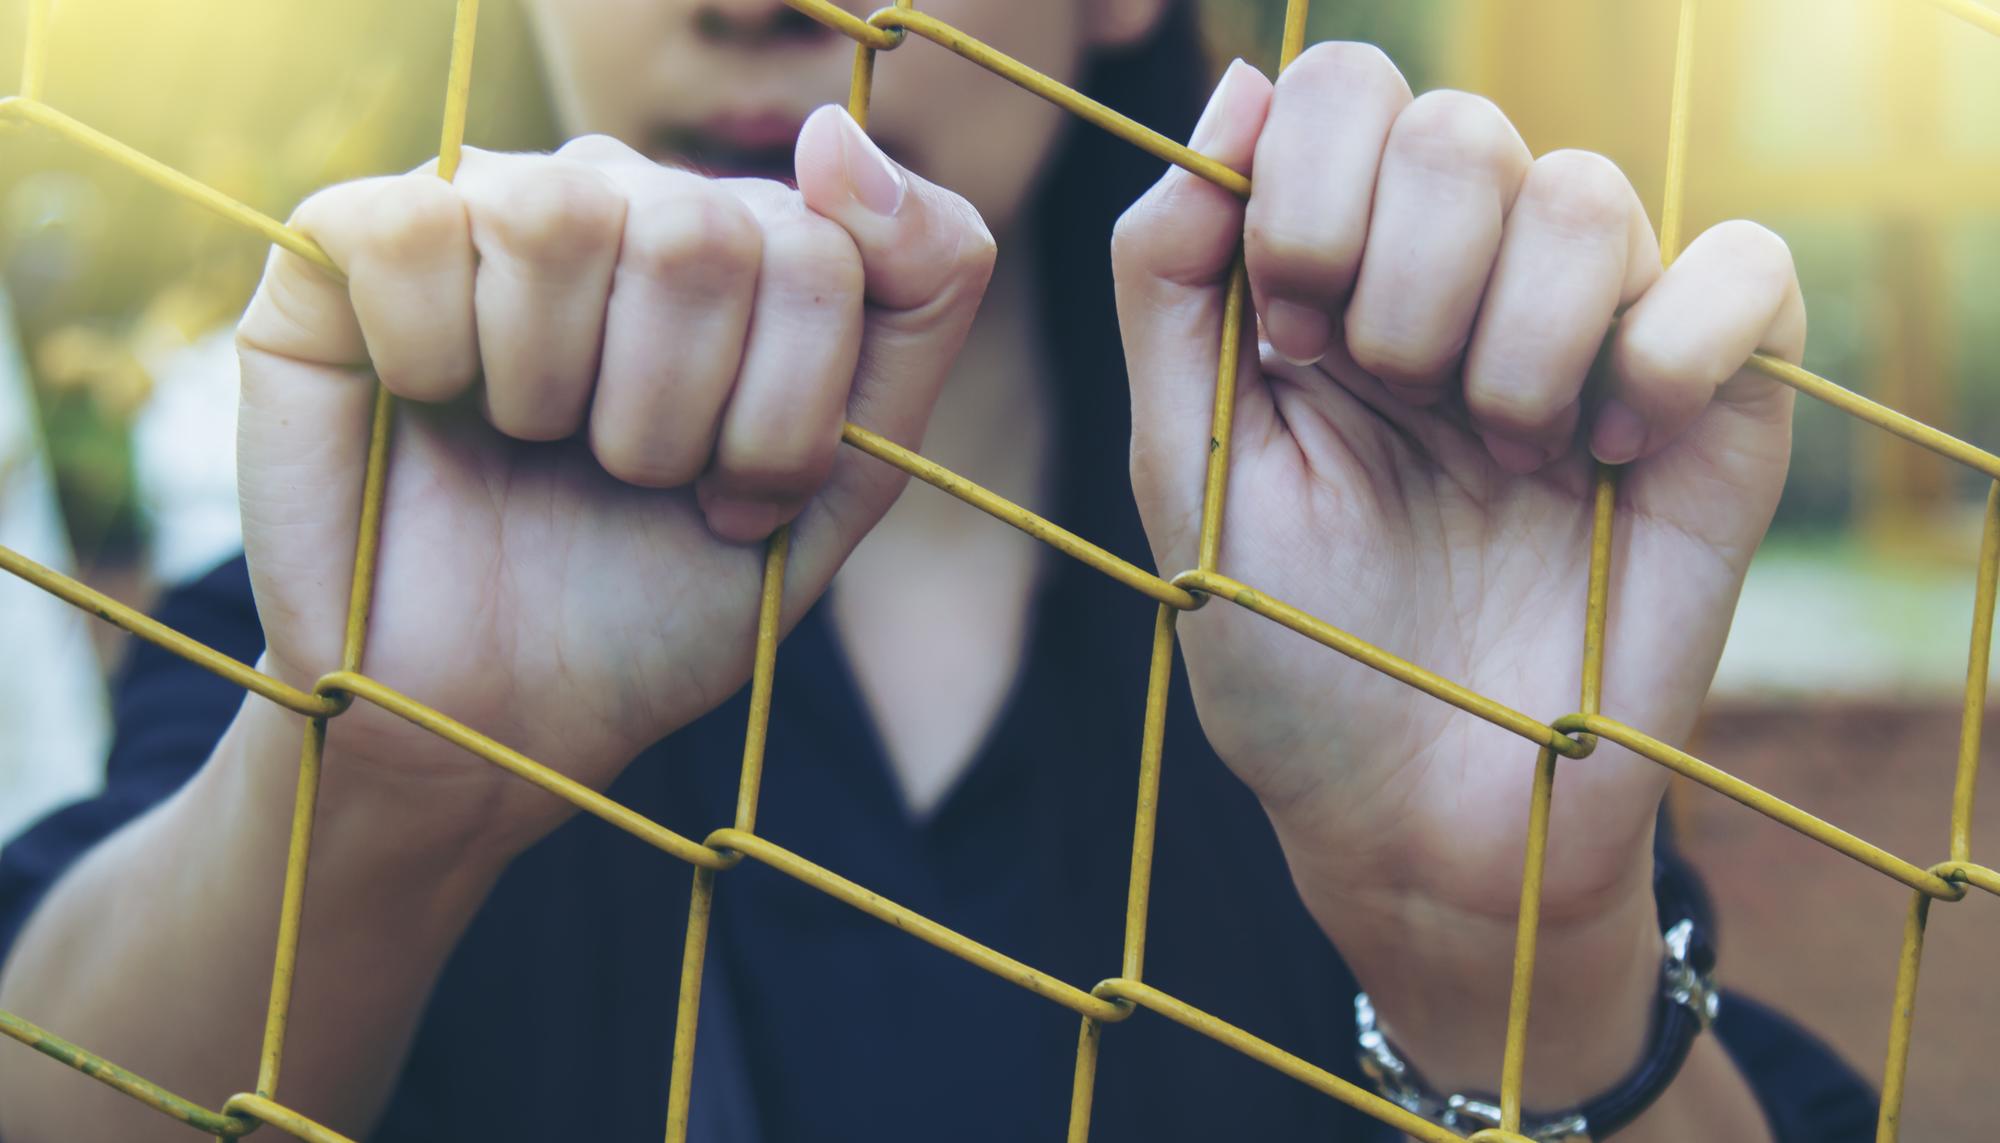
1211,116
1618,435
743,521
874,181
1297,333
1517,458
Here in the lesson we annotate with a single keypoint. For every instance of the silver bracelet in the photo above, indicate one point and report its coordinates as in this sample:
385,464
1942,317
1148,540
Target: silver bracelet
1688,1003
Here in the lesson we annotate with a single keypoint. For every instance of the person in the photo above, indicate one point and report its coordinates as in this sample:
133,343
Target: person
624,364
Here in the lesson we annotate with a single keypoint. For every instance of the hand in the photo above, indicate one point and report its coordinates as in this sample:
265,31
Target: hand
617,377
1425,482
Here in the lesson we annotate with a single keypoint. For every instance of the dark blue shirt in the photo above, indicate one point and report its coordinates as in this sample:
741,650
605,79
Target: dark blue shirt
554,1017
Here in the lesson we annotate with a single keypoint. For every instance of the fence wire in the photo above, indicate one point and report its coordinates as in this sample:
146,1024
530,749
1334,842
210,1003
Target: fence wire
1109,1001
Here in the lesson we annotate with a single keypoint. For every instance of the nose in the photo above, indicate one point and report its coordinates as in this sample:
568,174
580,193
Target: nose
756,23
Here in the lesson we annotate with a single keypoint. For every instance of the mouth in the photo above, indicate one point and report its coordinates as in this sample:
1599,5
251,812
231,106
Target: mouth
733,145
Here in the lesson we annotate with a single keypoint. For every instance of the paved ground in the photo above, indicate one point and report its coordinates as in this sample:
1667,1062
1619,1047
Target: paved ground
1817,934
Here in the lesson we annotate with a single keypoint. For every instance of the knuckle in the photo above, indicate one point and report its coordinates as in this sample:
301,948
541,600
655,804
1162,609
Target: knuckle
597,148
400,220
439,377
701,232
814,254
777,469
1758,248
541,413
1455,130
968,266
1579,192
1509,405
1140,239
1651,358
977,251
557,211
1306,250
285,315
1335,66
331,203
1397,360
631,461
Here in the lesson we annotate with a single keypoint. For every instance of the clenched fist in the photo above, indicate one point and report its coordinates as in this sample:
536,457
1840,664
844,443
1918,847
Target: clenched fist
1413,456
616,377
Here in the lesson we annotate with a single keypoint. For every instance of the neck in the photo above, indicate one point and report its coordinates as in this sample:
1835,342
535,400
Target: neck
933,606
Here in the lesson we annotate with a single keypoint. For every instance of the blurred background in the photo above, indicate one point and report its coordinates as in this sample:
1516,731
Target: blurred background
1865,131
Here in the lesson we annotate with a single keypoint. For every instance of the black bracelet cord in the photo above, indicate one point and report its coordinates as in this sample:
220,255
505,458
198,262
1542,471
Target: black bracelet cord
1675,1023
1685,1004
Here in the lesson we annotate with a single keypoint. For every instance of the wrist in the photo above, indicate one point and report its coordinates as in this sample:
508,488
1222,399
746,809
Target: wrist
367,816
1440,981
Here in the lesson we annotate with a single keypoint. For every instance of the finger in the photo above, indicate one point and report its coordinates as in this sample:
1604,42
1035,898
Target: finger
1449,176
925,260
926,257
680,305
1576,246
405,310
1307,221
306,343
1731,293
782,421
1171,255
547,229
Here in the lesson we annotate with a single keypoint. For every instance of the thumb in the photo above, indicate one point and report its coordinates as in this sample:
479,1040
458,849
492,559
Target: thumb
926,257
925,260
1171,257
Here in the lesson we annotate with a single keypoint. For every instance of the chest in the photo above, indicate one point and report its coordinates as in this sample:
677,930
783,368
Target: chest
934,635
820,1022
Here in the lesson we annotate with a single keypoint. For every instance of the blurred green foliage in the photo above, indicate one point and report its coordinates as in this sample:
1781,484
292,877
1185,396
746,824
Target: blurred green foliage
1408,30
265,99
1974,289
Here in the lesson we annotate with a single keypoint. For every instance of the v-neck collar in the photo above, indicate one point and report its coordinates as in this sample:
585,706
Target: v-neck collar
840,702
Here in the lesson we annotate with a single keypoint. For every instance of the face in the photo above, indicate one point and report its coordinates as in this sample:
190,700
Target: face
723,85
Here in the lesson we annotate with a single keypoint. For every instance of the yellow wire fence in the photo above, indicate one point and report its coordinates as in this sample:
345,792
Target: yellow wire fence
1112,1000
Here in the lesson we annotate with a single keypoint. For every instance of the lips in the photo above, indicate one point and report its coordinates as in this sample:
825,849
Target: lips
735,144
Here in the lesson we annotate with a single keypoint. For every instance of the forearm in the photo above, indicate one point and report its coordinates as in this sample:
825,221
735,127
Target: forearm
156,950
1441,988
